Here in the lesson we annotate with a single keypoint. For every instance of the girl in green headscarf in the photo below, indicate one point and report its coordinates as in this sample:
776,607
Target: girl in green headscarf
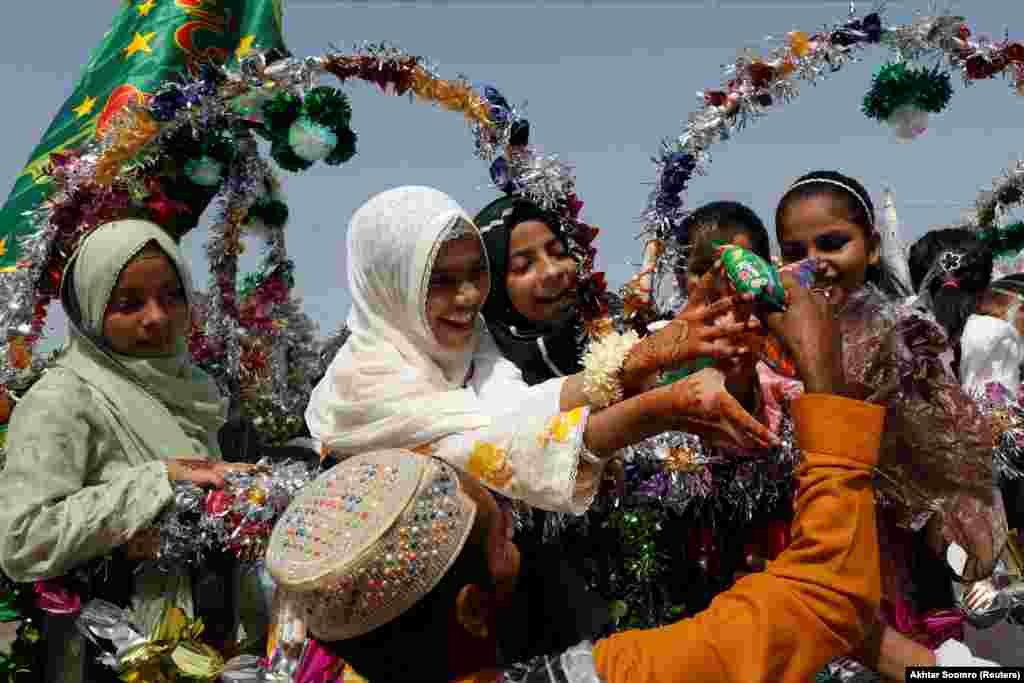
94,446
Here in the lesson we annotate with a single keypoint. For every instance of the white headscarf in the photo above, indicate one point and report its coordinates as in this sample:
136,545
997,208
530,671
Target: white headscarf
392,385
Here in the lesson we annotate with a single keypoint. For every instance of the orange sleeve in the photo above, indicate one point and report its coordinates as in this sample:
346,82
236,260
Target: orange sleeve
811,604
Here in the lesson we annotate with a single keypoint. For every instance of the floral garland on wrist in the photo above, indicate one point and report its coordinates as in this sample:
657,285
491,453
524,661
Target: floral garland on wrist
602,367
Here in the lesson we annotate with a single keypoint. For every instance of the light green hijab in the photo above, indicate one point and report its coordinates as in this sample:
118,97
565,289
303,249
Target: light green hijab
159,408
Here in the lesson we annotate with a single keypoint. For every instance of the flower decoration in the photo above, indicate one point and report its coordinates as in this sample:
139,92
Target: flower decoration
902,96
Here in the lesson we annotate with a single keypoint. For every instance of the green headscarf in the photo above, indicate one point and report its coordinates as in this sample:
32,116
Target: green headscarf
160,408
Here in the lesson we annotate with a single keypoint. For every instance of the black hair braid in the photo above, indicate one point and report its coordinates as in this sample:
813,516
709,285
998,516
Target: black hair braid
954,287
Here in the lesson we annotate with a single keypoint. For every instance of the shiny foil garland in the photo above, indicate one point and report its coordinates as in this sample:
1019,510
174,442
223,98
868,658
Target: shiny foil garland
236,519
679,501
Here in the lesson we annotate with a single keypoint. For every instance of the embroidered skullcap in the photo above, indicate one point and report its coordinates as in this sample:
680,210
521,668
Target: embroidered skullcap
368,539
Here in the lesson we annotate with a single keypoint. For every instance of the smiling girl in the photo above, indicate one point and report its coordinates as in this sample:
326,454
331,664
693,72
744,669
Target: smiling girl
936,467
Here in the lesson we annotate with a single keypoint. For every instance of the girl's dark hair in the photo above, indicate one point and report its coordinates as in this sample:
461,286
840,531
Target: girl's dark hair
721,221
855,201
422,629
954,269
727,220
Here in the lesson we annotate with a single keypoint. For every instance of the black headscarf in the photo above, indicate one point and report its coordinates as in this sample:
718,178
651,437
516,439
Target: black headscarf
541,351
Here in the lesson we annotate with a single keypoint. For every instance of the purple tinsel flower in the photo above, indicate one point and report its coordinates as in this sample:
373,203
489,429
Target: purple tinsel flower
655,487
502,177
676,172
167,103
499,110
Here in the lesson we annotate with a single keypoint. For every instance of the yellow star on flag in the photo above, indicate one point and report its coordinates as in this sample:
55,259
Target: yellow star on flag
3,247
140,44
245,46
145,8
85,108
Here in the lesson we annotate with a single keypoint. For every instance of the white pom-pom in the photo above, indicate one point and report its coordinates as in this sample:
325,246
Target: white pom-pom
908,122
311,141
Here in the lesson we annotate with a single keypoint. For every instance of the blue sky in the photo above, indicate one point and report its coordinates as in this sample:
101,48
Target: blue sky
603,83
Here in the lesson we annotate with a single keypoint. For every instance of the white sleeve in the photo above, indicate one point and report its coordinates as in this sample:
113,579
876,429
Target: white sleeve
531,450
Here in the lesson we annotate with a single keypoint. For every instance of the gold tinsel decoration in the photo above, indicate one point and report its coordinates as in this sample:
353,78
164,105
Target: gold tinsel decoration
682,460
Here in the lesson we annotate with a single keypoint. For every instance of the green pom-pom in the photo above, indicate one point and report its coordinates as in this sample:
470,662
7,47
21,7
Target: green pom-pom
1008,240
286,158
934,90
329,107
344,150
280,112
897,85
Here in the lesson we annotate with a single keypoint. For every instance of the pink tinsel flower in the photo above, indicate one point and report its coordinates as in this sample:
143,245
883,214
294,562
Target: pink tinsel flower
54,598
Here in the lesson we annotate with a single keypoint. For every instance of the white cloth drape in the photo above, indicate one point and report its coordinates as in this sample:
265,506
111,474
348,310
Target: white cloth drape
991,350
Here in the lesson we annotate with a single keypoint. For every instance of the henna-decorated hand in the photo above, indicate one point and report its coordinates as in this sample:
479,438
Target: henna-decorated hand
702,405
713,330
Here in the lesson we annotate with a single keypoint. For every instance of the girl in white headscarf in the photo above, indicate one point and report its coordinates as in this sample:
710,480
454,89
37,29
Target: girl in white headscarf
93,447
420,371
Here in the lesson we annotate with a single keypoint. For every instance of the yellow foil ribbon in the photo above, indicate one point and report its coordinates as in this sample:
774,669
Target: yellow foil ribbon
174,650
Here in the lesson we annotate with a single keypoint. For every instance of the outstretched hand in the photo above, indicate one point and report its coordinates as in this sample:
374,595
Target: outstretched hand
810,332
704,406
723,330
204,473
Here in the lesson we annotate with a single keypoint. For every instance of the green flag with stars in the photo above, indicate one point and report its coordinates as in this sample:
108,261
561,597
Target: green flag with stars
149,42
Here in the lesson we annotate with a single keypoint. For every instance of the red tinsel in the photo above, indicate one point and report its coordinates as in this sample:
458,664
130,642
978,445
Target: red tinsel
396,74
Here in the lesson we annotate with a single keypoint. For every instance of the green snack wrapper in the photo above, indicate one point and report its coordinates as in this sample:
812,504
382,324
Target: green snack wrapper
747,272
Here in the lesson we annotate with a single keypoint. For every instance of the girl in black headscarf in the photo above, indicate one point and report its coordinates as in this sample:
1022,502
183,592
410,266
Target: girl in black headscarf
531,310
531,313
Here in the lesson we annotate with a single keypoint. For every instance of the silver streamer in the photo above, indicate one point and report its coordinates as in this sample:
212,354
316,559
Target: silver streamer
545,179
236,519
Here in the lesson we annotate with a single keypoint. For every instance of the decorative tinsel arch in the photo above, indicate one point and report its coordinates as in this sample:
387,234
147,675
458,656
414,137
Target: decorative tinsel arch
755,83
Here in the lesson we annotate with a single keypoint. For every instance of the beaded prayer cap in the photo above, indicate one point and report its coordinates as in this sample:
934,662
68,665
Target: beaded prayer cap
368,539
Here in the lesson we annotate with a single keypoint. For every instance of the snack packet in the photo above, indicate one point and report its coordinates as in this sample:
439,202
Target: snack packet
744,272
